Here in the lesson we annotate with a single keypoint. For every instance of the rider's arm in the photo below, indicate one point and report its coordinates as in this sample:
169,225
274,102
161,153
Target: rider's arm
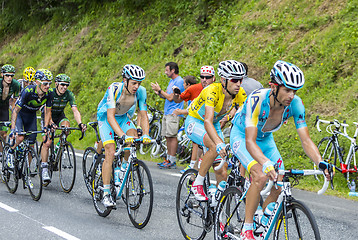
48,116
76,114
14,116
113,122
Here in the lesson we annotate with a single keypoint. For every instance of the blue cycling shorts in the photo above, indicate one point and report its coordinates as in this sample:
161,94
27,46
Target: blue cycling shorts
27,121
106,132
267,145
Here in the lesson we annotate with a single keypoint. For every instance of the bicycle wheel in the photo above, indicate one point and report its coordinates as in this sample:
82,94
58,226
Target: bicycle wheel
139,194
190,212
185,147
97,189
49,162
2,145
352,168
159,149
328,151
230,215
299,223
89,159
33,174
67,167
10,176
154,132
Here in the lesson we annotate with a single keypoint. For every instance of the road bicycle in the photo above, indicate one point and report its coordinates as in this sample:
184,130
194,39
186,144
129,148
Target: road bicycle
331,150
155,128
62,158
27,166
2,143
290,218
136,185
90,156
196,218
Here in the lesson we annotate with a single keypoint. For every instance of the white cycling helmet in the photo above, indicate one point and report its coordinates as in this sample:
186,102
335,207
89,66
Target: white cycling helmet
231,69
131,71
287,74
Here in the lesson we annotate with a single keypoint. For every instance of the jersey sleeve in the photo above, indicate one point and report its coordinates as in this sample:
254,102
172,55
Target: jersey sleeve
240,98
299,112
17,88
72,99
142,98
22,99
50,97
211,96
111,96
185,95
253,108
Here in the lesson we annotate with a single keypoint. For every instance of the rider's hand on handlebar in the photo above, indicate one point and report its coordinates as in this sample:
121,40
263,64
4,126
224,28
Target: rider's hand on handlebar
128,139
269,170
220,149
146,139
327,168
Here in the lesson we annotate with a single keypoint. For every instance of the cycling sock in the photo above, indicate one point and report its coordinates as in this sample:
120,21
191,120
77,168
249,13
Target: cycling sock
247,226
106,189
173,159
44,164
192,162
199,180
170,158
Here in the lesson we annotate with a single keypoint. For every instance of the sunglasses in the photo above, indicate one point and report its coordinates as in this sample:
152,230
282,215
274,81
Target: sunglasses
45,83
235,80
65,84
206,77
9,75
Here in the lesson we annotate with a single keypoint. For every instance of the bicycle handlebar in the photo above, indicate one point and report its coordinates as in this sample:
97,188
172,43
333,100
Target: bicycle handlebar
294,172
335,122
227,148
71,128
136,141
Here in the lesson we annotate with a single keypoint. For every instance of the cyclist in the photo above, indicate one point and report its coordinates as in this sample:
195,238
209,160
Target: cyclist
113,115
8,86
24,113
251,138
62,96
28,77
207,77
202,125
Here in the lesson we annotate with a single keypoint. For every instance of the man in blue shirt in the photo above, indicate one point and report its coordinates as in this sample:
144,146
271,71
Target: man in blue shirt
170,123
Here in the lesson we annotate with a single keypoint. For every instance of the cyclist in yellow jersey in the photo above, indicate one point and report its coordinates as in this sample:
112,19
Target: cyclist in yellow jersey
202,125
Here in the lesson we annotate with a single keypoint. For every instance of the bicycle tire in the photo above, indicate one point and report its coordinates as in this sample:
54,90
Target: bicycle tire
185,146
299,223
67,167
2,145
189,210
49,162
10,176
33,174
154,132
88,162
159,149
328,151
351,175
230,214
97,189
139,187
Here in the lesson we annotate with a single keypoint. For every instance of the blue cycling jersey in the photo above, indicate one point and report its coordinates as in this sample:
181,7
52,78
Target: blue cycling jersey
256,110
30,102
112,99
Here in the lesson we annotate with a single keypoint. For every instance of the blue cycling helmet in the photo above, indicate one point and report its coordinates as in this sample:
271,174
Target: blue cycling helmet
131,71
40,75
287,74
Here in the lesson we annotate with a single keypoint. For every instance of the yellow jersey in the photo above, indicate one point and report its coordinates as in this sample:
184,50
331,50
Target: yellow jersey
213,96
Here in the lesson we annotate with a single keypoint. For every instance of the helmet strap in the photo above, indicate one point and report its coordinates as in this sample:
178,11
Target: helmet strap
225,87
275,96
126,85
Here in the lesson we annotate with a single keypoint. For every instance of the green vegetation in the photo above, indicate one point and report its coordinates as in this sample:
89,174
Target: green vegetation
92,42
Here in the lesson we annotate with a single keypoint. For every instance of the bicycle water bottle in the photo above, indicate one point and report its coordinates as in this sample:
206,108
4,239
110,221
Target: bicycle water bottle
353,186
267,213
123,170
212,193
221,189
117,172
57,147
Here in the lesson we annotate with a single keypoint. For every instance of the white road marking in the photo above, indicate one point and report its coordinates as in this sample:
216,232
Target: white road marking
60,233
79,154
8,208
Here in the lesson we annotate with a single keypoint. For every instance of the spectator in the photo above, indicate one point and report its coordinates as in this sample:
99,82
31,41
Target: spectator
170,124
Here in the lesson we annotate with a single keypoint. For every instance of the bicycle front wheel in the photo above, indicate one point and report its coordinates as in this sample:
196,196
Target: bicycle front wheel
67,167
139,194
97,189
89,159
298,223
328,151
190,212
10,176
33,175
2,145
230,215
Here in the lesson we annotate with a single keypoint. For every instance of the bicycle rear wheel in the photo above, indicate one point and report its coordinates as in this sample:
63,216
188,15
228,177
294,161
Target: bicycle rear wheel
33,174
230,215
2,145
89,159
329,154
67,167
97,189
190,212
10,176
299,223
352,168
139,194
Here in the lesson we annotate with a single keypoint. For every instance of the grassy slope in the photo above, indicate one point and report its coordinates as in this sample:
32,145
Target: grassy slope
319,36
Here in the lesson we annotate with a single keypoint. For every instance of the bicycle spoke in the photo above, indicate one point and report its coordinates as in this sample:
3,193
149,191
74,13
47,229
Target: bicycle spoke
89,159
67,168
33,176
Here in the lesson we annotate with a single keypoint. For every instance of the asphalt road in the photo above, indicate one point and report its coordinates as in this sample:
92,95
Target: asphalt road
72,216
